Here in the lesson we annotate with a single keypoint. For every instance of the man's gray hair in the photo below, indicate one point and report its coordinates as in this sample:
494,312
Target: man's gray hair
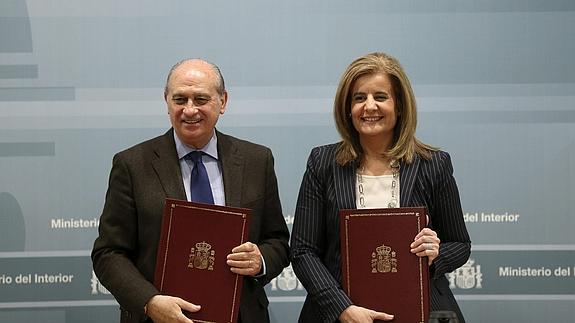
221,87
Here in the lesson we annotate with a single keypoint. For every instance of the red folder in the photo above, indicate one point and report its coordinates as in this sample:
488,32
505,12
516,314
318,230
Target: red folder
191,263
378,270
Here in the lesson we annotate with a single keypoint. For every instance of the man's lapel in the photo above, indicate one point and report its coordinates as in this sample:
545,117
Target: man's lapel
232,162
167,167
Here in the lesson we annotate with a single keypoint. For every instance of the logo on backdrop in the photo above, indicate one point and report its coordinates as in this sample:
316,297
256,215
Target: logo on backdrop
286,281
97,287
467,276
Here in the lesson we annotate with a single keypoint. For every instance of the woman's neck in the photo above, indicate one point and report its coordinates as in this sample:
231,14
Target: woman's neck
375,145
374,161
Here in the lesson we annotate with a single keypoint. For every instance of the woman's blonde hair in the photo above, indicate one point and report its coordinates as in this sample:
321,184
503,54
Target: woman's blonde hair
404,145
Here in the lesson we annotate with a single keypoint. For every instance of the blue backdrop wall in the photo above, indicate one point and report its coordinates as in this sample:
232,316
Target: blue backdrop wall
495,82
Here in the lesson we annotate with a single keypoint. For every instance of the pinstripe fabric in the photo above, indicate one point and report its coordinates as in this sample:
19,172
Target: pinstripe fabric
315,248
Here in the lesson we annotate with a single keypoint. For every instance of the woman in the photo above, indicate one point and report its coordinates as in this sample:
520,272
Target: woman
379,163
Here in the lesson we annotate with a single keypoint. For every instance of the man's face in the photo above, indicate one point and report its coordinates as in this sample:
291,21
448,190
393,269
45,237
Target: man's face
194,103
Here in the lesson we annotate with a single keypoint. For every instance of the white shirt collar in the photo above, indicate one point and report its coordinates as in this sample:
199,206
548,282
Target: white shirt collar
211,148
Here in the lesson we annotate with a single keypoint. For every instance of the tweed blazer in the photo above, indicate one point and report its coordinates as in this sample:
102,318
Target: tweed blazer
328,187
124,254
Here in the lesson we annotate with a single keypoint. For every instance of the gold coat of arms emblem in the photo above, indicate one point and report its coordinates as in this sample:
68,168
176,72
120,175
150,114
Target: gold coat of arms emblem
383,260
202,256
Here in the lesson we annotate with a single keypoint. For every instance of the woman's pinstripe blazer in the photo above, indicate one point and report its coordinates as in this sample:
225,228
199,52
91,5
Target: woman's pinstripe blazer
328,187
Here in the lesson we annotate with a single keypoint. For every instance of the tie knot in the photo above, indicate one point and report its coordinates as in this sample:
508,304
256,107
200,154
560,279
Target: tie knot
196,156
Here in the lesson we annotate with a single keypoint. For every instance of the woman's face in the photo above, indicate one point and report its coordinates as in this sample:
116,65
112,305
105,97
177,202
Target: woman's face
373,107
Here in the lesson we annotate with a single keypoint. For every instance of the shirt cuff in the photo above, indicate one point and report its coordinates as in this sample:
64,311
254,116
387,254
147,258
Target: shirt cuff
263,271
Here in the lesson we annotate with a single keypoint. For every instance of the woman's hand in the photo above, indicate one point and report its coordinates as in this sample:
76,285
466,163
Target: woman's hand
426,244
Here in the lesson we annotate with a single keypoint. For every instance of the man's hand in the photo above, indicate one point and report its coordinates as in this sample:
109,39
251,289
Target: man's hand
166,309
356,314
245,259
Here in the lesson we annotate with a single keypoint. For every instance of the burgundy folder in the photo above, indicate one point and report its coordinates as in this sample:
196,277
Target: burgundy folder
191,263
378,270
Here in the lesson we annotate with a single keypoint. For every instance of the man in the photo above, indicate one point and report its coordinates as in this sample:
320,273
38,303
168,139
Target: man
241,174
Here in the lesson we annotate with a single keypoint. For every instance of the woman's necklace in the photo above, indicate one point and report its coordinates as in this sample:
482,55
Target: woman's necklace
394,164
